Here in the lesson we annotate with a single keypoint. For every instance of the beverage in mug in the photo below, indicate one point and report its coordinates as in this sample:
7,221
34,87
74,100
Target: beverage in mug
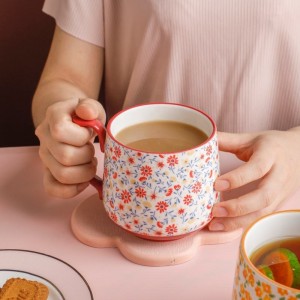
161,136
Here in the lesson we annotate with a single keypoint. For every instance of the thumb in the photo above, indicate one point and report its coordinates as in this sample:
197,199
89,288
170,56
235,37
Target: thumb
90,109
233,142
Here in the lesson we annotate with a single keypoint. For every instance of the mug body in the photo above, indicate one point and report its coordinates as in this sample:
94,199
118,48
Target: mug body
250,283
160,196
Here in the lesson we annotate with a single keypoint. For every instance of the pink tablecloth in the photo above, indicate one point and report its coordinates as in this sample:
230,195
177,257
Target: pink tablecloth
31,220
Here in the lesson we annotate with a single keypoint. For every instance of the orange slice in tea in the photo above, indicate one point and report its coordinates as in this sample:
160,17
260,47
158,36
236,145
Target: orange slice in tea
266,270
285,266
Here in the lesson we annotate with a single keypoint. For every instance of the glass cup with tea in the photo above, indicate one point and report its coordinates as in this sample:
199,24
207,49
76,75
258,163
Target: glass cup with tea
160,164
268,265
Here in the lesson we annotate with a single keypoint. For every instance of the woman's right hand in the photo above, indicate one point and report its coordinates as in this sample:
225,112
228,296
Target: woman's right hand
66,149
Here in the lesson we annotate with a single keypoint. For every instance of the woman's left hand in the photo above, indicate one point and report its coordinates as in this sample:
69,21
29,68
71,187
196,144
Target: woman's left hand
273,157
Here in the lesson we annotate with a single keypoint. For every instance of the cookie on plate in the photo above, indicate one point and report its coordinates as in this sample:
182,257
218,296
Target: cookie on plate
23,289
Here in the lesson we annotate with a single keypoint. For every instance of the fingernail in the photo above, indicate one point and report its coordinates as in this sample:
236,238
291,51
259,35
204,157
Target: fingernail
219,211
216,227
222,185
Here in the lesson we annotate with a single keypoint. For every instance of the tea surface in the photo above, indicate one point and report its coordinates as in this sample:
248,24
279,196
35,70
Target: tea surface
161,136
279,260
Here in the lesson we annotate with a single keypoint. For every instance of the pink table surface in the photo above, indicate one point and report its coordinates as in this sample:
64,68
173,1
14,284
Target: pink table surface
31,220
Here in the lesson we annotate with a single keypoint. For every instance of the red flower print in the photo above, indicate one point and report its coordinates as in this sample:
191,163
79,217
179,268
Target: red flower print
172,160
140,192
209,150
135,221
187,200
169,192
139,154
160,164
196,187
177,187
161,155
181,211
202,156
153,196
114,217
146,171
125,196
111,204
159,224
115,175
128,226
105,172
117,151
142,178
161,206
171,229
130,160
121,206
158,233
192,174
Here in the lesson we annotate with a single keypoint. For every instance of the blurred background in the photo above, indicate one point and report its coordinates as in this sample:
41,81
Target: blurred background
25,38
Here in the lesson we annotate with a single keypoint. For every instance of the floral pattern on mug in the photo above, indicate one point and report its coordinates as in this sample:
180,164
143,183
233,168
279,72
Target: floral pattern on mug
251,285
160,194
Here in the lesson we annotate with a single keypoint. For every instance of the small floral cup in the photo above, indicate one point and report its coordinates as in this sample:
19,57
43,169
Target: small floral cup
158,196
249,283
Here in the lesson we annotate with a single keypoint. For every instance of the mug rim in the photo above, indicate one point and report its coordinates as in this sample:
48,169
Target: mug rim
246,257
212,135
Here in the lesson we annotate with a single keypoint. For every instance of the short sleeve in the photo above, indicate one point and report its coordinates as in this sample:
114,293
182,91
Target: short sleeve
80,18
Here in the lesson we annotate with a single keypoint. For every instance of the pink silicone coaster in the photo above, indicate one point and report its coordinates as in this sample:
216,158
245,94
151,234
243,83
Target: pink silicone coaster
92,226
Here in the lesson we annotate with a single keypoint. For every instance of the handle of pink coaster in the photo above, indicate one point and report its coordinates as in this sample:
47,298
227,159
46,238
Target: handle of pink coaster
100,130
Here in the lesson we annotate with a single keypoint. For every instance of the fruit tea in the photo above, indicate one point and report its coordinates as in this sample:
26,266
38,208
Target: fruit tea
279,261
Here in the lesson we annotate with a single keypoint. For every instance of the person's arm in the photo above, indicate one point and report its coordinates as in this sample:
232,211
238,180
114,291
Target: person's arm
273,159
73,69
70,81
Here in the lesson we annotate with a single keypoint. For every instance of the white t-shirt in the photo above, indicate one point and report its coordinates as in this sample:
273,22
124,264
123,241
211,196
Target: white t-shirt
239,61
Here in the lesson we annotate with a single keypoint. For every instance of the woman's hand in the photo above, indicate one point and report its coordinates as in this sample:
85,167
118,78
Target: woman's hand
273,157
66,149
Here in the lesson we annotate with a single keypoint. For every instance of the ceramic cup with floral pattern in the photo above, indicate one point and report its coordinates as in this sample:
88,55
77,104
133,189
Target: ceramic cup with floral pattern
250,283
158,196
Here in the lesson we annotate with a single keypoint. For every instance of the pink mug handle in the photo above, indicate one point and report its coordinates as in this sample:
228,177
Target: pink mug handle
100,130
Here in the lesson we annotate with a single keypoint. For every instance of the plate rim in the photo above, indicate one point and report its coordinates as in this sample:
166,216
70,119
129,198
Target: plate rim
52,257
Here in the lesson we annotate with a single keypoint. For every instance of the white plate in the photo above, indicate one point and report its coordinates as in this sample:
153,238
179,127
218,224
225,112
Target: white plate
64,282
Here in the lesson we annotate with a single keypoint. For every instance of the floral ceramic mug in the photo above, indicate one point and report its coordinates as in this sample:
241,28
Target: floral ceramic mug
158,196
250,283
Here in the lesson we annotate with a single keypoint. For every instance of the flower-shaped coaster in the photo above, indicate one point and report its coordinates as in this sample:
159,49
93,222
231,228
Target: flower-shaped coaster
92,226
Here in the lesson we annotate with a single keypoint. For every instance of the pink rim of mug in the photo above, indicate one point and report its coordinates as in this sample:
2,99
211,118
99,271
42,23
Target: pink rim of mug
108,127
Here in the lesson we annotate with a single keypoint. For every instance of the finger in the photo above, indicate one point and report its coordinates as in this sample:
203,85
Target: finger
90,109
61,126
229,224
65,154
59,190
69,174
233,142
267,194
68,155
258,166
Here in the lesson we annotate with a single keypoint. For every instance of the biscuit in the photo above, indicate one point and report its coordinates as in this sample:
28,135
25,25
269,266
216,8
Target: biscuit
23,289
